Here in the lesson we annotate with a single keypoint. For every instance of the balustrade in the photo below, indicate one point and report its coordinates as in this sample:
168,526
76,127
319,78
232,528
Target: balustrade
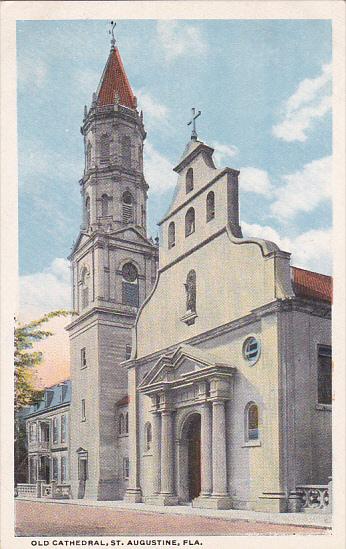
314,497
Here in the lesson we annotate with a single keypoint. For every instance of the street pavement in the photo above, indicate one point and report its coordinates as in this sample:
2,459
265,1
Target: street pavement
54,519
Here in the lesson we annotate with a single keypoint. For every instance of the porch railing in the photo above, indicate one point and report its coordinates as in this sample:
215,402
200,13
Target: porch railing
42,489
25,490
315,498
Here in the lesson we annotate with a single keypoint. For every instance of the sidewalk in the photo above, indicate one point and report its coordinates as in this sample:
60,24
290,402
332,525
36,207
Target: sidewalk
321,520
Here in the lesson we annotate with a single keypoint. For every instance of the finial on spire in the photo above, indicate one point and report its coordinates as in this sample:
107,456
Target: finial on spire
111,31
193,122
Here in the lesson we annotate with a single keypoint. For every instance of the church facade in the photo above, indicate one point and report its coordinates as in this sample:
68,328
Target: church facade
200,368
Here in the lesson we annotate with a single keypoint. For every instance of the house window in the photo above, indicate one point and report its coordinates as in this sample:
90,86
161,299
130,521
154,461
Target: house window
210,206
87,211
63,428
147,436
63,469
104,205
324,374
128,352
251,422
190,222
32,432
126,422
83,358
190,289
126,468
127,207
189,180
55,431
55,468
130,285
121,424
251,350
83,410
171,235
104,147
126,150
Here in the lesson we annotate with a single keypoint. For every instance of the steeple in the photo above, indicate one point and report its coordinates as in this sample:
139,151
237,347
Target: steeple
114,86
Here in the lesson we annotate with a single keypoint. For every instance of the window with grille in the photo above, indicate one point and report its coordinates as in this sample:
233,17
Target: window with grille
251,350
128,207
210,205
83,358
251,421
324,374
171,235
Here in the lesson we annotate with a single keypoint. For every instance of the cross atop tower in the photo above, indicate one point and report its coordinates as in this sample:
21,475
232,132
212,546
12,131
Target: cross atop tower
193,122
111,31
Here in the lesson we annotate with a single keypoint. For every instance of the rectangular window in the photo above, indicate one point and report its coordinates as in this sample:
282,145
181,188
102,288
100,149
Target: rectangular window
83,410
83,358
63,469
55,468
32,432
126,468
63,428
128,352
324,374
55,431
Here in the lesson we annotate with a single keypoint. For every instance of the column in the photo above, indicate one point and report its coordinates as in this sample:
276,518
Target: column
167,487
206,450
156,445
219,449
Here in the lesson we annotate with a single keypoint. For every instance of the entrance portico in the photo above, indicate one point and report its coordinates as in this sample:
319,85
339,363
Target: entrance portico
188,392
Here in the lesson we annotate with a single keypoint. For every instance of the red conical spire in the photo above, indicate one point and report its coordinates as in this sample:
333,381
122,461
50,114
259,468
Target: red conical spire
114,83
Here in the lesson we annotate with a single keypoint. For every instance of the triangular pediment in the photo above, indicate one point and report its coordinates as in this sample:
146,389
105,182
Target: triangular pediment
185,362
82,239
132,234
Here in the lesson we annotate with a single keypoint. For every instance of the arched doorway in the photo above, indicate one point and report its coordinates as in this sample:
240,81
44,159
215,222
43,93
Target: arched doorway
193,436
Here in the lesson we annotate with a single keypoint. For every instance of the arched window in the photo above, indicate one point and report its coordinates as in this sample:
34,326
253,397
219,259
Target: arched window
190,288
87,211
148,436
89,155
251,422
126,422
126,150
121,424
130,285
189,180
104,205
84,288
104,147
190,222
171,235
127,207
210,205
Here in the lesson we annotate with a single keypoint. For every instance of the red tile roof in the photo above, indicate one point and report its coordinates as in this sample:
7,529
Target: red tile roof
312,285
114,81
123,401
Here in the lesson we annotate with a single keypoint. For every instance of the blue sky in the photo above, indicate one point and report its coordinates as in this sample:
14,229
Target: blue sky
263,87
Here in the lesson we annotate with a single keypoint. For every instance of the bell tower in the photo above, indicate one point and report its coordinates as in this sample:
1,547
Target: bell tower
113,266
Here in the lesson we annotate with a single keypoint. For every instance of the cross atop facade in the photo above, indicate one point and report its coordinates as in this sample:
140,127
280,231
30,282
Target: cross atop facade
193,122
111,31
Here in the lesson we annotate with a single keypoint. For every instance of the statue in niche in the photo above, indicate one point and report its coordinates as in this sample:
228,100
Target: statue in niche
190,288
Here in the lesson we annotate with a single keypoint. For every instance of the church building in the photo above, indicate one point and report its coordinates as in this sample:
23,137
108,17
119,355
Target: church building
200,367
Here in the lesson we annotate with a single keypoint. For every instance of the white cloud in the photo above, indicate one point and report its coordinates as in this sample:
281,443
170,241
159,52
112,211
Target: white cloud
254,180
310,101
32,73
158,170
155,113
223,152
45,291
304,190
177,39
310,250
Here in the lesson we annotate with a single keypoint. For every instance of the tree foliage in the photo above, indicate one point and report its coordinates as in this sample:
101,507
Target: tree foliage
26,359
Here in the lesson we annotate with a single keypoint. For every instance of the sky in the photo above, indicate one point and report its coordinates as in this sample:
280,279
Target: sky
264,89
